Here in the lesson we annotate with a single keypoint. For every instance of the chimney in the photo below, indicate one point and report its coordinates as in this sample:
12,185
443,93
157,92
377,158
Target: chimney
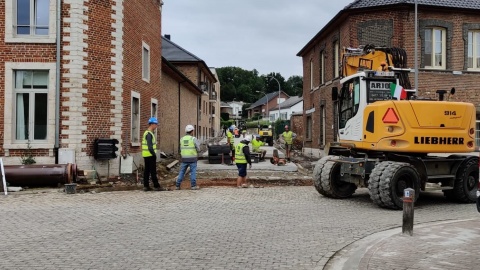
167,37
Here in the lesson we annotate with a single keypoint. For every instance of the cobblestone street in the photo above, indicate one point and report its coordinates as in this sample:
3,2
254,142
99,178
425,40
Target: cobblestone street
212,228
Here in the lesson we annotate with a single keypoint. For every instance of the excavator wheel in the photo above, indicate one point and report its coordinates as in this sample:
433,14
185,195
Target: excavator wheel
466,183
388,180
326,179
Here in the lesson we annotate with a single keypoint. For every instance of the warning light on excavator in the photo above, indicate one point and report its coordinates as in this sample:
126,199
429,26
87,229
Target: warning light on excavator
390,117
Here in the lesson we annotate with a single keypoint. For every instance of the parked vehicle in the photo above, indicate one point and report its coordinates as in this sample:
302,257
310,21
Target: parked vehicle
266,134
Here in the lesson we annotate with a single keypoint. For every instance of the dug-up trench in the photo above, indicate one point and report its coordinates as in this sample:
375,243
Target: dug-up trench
205,178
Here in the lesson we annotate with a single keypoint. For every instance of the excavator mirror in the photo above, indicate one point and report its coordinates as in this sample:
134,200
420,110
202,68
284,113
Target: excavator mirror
452,91
334,93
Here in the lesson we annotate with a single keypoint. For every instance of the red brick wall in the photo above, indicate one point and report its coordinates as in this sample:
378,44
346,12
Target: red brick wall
99,94
142,23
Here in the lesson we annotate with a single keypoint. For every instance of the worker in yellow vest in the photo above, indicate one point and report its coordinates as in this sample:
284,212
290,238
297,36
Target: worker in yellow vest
149,154
242,157
189,149
288,137
256,143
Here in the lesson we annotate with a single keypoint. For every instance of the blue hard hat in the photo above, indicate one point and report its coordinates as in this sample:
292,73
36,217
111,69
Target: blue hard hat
153,120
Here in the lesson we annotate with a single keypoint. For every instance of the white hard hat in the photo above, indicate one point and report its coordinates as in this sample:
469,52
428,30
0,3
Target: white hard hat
189,128
248,138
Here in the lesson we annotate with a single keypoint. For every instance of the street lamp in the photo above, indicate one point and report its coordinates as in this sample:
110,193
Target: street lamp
279,113
268,116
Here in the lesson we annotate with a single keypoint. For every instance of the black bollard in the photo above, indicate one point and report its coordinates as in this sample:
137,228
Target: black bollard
408,200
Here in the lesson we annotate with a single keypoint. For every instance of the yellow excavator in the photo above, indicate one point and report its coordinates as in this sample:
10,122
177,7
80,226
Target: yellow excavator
388,136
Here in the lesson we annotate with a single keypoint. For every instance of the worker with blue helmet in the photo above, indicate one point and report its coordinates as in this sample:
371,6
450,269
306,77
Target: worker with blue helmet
149,154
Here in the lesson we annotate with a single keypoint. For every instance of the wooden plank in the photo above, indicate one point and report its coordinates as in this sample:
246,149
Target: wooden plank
173,163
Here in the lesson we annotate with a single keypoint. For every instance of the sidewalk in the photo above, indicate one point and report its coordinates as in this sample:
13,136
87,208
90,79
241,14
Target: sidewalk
440,245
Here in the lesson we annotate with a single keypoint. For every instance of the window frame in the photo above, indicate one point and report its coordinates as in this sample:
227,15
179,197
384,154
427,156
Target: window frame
311,77
308,127
322,67
10,23
135,95
146,62
475,49
154,112
432,65
10,141
336,59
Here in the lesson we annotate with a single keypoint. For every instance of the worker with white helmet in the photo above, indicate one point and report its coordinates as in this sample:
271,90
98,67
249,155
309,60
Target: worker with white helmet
242,157
149,154
189,149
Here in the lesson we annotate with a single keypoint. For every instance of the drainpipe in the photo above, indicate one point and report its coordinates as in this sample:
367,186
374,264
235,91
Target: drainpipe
57,82
179,111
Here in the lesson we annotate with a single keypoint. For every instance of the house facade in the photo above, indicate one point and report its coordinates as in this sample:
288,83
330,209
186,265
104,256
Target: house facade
95,74
265,104
197,72
448,53
286,109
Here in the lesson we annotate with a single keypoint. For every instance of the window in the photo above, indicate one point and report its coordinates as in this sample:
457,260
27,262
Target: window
473,50
29,108
135,125
31,105
309,128
32,17
323,126
349,100
322,67
435,52
153,112
311,74
336,58
145,62
30,21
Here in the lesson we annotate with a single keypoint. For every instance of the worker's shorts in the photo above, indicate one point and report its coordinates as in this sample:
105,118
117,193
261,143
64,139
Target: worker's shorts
288,147
242,170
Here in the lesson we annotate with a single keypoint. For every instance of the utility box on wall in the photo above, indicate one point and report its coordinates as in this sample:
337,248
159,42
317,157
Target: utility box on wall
66,155
104,149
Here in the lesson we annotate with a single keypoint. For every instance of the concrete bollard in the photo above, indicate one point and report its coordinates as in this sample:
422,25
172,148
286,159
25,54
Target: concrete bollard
408,201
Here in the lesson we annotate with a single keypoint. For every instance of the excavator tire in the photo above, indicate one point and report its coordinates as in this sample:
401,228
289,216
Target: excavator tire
466,183
326,179
388,180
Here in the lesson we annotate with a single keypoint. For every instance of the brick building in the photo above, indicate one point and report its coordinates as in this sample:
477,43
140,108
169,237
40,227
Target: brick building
96,74
448,53
202,110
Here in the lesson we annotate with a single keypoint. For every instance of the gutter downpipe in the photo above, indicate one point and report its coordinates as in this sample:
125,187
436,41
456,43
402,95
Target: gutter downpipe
57,82
179,111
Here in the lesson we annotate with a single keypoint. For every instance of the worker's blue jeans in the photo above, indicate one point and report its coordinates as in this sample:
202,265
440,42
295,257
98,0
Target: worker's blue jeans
193,173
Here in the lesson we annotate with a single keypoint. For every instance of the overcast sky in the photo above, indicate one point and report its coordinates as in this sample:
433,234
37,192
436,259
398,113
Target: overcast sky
265,35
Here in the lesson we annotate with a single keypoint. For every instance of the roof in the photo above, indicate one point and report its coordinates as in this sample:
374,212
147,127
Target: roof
365,4
292,101
224,104
469,4
174,53
263,100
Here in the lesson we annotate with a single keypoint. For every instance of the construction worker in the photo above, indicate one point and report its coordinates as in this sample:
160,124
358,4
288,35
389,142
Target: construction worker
189,149
242,157
288,137
149,154
230,141
256,143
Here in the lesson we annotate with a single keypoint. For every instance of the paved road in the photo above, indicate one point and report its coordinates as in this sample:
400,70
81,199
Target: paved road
212,228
